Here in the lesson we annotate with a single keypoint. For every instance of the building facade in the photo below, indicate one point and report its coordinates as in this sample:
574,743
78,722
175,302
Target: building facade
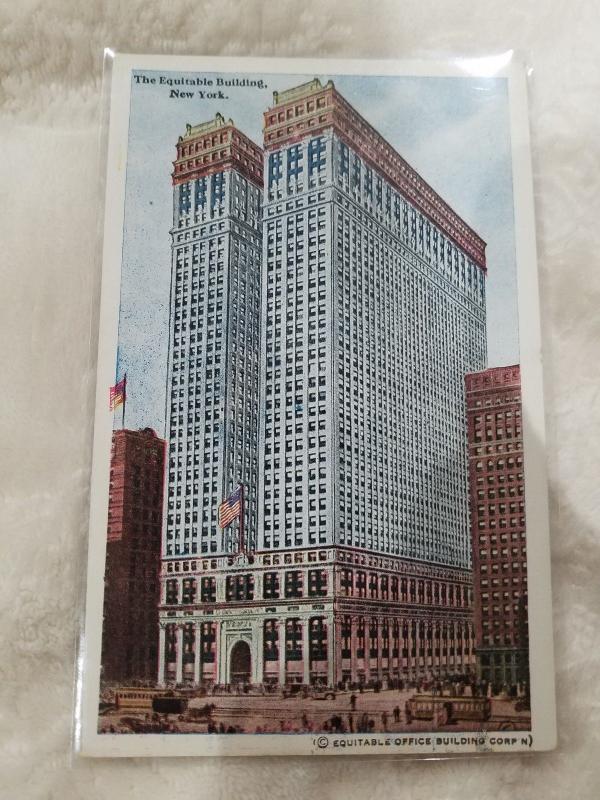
498,534
212,382
132,571
372,311
325,615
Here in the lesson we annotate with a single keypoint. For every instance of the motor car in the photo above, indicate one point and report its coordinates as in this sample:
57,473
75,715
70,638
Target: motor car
323,693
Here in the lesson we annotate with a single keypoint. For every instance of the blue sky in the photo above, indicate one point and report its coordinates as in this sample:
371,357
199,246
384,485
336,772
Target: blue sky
453,131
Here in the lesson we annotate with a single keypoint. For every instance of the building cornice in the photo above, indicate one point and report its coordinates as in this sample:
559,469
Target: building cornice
216,146
311,109
490,379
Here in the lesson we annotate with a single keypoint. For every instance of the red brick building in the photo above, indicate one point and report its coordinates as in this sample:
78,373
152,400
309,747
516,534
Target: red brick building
497,506
131,581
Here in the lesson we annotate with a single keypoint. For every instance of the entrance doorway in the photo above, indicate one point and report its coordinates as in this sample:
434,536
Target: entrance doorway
240,663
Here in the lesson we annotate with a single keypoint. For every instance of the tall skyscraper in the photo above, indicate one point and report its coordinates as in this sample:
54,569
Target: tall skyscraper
496,484
212,383
212,388
131,581
373,310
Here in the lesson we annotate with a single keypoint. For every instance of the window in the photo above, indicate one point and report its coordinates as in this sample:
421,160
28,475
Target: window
317,583
200,193
274,168
294,161
189,591
218,188
271,640
184,198
171,594
239,587
318,639
293,640
361,584
293,584
208,590
271,585
316,155
346,581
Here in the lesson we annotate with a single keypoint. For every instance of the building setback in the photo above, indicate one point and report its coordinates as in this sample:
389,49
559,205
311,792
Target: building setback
373,310
131,582
497,502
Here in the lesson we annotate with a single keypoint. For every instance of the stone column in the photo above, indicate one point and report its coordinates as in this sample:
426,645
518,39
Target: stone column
471,644
282,654
437,645
219,678
197,649
411,643
258,585
331,653
220,588
258,660
353,646
442,659
306,651
161,654
379,649
179,654
367,658
455,645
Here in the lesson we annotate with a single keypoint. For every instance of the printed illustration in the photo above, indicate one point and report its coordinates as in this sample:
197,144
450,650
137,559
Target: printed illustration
316,512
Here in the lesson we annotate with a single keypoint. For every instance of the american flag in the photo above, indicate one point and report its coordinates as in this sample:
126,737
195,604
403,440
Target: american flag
230,508
118,394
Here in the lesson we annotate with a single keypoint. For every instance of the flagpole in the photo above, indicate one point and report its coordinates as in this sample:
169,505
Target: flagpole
242,509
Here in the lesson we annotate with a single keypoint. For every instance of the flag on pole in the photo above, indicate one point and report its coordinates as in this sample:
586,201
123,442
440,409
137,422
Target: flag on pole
230,508
118,394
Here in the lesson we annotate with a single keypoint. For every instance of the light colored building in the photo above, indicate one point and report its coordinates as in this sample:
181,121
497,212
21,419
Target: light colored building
212,384
373,304
373,310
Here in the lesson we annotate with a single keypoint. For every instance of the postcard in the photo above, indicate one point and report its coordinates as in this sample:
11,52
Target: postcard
319,518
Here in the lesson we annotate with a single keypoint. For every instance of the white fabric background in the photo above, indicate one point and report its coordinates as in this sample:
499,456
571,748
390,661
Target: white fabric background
50,71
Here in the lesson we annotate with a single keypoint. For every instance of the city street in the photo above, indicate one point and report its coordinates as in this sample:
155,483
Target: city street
275,714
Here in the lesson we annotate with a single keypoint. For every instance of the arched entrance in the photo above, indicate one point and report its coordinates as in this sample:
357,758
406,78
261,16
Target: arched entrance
240,663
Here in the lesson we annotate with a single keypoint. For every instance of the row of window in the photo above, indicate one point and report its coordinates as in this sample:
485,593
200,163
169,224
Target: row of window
358,583
242,587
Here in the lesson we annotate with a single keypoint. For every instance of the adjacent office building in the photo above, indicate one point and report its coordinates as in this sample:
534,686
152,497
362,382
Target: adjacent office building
496,486
372,311
131,582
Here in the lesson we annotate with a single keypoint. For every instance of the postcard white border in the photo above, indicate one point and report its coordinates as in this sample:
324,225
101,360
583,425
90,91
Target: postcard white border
543,732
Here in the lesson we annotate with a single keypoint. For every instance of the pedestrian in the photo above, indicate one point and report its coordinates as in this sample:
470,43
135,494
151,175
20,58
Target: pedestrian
353,702
350,723
396,713
408,712
384,721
